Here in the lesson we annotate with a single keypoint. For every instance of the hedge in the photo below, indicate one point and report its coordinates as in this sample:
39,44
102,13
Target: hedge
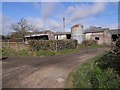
53,45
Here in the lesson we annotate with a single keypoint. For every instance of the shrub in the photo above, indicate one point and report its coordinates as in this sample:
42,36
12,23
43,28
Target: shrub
52,45
111,59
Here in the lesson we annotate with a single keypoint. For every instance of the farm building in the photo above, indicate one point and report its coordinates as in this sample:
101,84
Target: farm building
101,35
43,35
114,34
62,35
77,33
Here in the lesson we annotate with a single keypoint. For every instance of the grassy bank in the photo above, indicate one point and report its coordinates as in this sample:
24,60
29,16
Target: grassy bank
90,75
10,52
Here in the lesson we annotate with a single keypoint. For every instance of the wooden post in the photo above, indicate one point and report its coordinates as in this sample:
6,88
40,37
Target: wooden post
8,44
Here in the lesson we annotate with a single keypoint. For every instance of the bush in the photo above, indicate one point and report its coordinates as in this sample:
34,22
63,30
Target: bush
89,43
104,78
52,45
111,59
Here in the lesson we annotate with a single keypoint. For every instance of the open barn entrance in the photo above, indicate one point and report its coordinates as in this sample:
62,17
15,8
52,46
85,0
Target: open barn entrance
115,37
68,36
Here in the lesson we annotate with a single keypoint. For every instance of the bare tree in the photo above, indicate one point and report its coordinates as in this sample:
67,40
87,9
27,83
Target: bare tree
22,27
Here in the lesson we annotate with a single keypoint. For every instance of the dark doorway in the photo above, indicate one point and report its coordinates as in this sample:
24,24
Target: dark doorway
114,37
57,37
96,38
68,36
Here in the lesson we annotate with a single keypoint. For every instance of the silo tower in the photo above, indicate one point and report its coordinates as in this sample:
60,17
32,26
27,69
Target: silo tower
77,33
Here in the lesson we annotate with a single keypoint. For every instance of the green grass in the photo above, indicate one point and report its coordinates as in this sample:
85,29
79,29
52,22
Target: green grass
88,75
14,53
93,46
44,53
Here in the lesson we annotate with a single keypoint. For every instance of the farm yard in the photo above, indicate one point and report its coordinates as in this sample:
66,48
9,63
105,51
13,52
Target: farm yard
44,72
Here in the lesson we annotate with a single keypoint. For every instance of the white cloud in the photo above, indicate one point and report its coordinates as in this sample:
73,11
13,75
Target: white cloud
84,10
6,22
40,24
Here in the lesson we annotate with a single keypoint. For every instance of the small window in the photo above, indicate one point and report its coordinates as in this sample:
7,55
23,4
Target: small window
96,38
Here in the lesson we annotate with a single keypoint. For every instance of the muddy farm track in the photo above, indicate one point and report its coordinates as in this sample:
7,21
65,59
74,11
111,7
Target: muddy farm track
45,72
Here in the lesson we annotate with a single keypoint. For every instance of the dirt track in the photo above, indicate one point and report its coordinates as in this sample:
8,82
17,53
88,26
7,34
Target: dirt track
46,72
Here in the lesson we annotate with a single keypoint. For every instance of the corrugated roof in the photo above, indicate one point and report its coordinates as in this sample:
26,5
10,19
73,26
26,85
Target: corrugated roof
34,35
41,32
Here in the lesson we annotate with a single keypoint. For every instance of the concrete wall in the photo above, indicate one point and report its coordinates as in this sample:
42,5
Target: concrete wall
88,36
107,38
50,36
100,36
77,33
104,37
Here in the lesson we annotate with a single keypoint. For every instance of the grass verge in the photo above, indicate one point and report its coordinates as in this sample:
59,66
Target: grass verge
89,75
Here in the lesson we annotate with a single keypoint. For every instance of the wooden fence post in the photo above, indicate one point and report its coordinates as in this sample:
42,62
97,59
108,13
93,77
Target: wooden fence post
8,44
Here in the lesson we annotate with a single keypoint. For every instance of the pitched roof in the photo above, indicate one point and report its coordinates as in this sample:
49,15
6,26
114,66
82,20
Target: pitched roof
95,30
114,31
62,33
42,32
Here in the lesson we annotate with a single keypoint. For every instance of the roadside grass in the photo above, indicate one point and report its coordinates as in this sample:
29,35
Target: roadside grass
67,51
44,53
78,78
92,46
89,75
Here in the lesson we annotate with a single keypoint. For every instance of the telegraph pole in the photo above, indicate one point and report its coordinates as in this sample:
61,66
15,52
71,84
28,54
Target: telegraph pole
63,24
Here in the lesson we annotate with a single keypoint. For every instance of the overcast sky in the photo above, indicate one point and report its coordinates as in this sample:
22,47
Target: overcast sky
48,15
